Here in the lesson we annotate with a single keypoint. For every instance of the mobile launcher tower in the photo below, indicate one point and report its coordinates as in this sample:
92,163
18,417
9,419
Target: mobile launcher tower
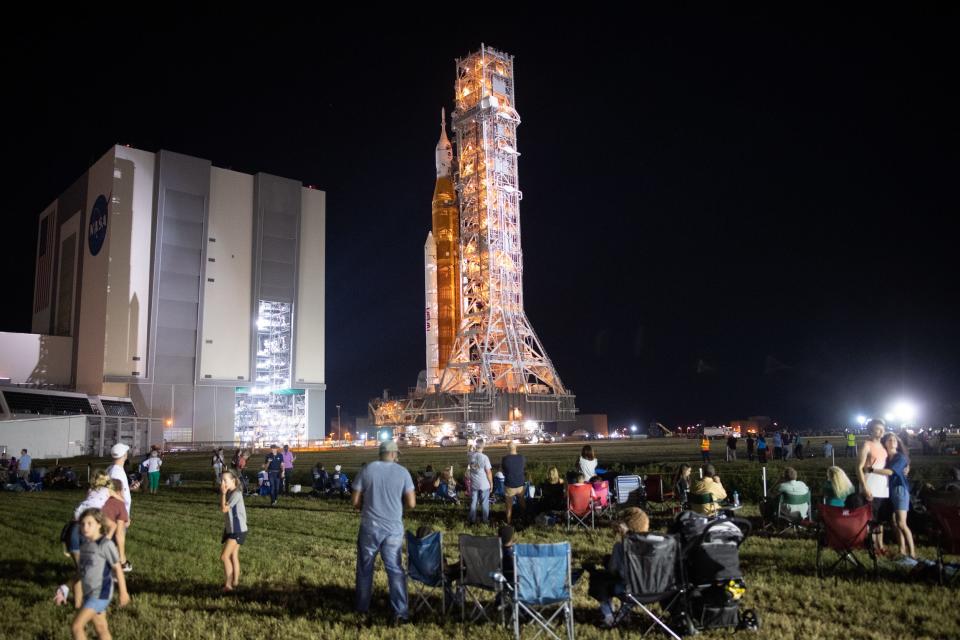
486,371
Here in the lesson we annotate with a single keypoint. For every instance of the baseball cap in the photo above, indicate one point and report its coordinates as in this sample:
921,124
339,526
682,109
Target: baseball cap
388,445
119,450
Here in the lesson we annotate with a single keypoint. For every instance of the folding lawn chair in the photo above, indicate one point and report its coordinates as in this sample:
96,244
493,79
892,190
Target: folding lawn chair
844,530
601,504
426,569
947,517
653,573
629,491
481,558
542,589
580,505
655,491
791,517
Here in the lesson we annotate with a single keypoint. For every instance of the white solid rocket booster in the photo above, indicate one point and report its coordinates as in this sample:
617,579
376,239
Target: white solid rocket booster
431,312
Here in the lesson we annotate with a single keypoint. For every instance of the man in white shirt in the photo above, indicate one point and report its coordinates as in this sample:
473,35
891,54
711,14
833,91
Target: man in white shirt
792,486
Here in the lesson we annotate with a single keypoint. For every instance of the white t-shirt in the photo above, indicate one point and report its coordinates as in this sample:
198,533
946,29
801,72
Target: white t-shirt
95,499
117,473
588,467
153,464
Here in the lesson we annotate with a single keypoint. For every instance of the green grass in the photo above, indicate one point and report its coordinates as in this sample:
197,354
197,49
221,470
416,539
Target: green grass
298,563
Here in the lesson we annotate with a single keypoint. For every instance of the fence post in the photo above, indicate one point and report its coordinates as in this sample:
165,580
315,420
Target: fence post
764,481
701,473
102,435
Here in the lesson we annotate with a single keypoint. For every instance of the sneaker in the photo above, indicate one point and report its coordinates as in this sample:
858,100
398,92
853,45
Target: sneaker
399,622
609,622
62,592
127,567
907,561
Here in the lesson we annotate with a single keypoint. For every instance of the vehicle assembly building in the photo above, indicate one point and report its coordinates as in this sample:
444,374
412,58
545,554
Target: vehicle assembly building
190,294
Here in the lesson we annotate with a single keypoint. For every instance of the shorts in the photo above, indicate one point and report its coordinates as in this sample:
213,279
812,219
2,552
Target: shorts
240,537
882,510
513,491
900,498
96,604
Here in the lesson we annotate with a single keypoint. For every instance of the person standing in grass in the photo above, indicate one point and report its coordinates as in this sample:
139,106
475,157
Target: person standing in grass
119,453
288,459
705,448
153,470
761,449
234,528
99,569
380,492
873,485
273,463
115,521
897,467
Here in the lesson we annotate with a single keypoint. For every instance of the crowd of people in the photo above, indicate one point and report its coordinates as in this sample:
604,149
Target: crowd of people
95,537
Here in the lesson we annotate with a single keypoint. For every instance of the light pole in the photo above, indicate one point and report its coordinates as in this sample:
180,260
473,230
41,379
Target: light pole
339,428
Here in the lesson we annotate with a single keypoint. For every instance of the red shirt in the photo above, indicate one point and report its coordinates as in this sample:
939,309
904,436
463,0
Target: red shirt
115,510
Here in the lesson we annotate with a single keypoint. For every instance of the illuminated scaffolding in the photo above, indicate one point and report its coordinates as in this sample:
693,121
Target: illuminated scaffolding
270,411
498,378
496,349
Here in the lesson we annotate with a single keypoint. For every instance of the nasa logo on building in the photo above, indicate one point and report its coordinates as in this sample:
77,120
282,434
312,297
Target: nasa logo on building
97,230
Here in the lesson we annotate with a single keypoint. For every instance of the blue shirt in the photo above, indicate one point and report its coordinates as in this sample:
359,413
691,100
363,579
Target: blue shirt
898,464
514,466
383,485
274,462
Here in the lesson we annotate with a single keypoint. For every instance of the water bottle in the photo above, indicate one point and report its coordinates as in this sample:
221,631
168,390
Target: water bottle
736,499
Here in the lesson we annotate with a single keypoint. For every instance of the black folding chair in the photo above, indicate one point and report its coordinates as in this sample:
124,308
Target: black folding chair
481,559
653,573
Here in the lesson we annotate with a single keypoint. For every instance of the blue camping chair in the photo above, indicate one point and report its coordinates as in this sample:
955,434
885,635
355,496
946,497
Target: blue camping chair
426,569
542,589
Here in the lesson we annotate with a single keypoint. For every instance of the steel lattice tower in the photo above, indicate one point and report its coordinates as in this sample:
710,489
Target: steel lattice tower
496,349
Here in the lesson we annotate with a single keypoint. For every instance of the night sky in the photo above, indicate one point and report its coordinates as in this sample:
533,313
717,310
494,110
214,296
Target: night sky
724,215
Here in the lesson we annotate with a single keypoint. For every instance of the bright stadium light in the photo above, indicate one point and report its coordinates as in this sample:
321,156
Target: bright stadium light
888,416
905,411
861,420
633,428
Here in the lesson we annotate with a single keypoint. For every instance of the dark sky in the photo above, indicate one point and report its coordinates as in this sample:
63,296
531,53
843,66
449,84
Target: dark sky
724,215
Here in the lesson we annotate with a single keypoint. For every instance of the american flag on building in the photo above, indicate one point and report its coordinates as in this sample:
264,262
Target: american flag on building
44,267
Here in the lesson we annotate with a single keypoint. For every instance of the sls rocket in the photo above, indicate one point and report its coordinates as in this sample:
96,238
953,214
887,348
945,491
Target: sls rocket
446,235
430,311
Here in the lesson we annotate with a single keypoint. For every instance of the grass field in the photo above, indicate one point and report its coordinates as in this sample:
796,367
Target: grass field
298,563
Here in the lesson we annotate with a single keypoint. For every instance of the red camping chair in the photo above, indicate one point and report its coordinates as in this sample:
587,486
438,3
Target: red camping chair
655,491
947,517
844,531
580,505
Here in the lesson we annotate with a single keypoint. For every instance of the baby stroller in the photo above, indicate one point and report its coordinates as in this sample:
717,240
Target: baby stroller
711,555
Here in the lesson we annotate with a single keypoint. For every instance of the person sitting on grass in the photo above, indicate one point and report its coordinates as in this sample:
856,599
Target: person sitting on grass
552,492
708,485
445,486
681,485
99,569
632,520
320,478
793,487
837,488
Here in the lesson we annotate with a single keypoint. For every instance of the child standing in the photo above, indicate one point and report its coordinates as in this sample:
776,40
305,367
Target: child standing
234,528
99,569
